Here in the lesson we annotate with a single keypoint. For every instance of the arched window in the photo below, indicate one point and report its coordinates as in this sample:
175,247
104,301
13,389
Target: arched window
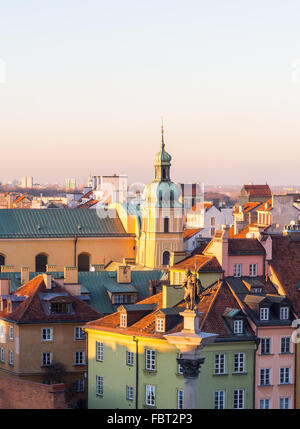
166,258
2,260
166,224
83,262
41,260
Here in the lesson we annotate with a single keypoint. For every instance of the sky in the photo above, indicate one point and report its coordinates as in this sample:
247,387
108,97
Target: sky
84,85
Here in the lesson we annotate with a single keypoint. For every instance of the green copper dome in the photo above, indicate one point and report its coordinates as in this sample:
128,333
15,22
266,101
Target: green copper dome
162,194
162,157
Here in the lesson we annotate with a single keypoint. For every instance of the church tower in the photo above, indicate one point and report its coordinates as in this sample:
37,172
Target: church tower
162,223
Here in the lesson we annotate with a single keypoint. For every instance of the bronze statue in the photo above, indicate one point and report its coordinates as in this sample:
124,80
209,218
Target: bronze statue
193,289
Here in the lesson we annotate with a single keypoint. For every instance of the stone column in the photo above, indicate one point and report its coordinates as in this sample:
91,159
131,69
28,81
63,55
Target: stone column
190,369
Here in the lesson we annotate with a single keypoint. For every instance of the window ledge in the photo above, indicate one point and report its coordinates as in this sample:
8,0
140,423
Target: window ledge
265,354
265,385
151,407
223,373
150,371
240,373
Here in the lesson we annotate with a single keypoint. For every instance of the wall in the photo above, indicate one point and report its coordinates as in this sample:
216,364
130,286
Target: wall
245,261
20,394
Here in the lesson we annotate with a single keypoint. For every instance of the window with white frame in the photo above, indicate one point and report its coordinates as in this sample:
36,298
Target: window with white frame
11,357
284,403
219,400
239,399
176,278
129,393
99,385
265,377
123,320
160,325
46,358
47,334
2,332
2,355
99,351
150,395
220,363
253,270
284,313
79,333
150,357
129,358
264,313
265,346
180,399
284,375
239,362
79,358
179,366
285,345
265,404
237,270
238,326
79,385
11,332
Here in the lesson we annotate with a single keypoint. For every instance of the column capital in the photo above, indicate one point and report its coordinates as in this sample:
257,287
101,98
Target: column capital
191,367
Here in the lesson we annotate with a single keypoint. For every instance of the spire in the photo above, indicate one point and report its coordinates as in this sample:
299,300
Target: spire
162,135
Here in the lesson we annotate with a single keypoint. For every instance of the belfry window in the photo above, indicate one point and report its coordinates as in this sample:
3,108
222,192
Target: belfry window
166,258
166,224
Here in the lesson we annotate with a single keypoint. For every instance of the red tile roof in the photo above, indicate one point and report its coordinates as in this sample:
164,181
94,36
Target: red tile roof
238,246
31,310
190,232
203,263
258,190
198,207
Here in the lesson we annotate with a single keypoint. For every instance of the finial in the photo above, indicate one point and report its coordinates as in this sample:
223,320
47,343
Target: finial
162,134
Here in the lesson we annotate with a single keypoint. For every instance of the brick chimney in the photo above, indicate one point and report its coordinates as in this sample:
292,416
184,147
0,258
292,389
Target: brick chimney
24,275
47,280
5,287
124,274
71,280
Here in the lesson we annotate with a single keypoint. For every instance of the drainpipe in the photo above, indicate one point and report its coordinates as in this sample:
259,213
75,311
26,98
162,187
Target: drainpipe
136,371
75,256
257,341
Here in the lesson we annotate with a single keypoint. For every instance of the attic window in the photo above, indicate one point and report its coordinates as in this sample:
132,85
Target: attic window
284,313
264,313
160,325
60,307
123,320
238,326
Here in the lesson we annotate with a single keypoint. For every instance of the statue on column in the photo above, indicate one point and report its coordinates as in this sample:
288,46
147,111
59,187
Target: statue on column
193,289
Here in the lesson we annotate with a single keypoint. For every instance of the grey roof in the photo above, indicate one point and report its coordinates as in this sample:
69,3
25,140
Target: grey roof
138,307
120,288
41,223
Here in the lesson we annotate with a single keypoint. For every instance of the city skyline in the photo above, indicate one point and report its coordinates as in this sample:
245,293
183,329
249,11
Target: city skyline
87,84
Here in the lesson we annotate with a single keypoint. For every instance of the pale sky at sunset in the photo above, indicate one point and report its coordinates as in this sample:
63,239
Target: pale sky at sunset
88,82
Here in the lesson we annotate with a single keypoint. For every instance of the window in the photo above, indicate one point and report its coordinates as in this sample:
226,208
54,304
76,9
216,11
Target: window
238,326
265,377
2,260
11,332
284,313
212,231
2,332
160,325
83,262
179,366
46,358
150,360
237,270
284,375
265,346
2,355
99,385
150,395
79,333
212,221
129,393
11,357
239,362
285,345
264,404
41,261
284,403
238,399
79,358
99,351
166,224
129,358
60,307
166,258
180,398
220,363
79,385
219,400
46,334
264,313
123,322
253,270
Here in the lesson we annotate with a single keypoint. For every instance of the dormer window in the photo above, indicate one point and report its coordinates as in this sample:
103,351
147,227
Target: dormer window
60,307
237,270
123,320
238,326
284,313
264,313
253,270
160,325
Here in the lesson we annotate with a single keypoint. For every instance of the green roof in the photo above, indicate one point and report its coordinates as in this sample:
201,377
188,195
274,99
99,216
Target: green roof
96,283
41,223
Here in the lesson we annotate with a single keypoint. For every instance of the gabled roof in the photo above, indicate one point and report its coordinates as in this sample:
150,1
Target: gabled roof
203,263
190,232
258,190
41,223
245,246
31,310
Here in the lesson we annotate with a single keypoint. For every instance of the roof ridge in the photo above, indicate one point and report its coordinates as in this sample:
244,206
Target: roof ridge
30,297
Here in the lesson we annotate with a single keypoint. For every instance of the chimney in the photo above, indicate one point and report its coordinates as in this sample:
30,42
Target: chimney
47,280
5,287
24,275
70,275
124,274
